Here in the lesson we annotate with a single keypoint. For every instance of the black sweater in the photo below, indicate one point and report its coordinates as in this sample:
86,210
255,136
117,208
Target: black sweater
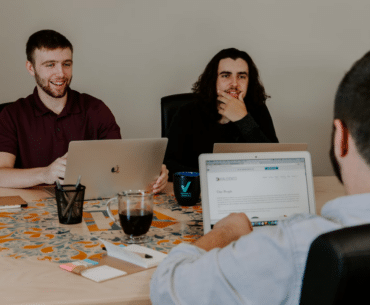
193,132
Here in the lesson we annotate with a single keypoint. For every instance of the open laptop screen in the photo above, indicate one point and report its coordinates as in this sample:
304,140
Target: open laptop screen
266,189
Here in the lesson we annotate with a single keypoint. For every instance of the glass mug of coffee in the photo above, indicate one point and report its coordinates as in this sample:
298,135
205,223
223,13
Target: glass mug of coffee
135,211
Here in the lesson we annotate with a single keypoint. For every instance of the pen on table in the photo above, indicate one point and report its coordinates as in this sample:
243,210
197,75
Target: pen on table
13,206
73,198
143,255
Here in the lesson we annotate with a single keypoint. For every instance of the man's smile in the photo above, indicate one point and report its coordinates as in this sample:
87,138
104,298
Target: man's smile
234,93
58,83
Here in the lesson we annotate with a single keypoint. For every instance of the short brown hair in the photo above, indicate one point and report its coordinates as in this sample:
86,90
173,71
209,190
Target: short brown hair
47,39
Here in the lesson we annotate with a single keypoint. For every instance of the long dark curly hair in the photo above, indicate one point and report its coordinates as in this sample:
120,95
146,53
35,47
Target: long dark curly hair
205,87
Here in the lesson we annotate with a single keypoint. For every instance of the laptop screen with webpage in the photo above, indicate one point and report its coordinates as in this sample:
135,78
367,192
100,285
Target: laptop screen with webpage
267,187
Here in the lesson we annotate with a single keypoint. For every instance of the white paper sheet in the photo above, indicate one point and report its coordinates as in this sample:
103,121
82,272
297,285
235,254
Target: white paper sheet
127,254
102,273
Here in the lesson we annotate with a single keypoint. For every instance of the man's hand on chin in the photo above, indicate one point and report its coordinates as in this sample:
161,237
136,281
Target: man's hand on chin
230,107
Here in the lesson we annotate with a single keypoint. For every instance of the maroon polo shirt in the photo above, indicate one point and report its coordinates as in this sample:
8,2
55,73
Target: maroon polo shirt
37,136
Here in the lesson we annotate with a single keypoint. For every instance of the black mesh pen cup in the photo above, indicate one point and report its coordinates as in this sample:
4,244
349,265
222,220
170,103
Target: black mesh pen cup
186,186
70,203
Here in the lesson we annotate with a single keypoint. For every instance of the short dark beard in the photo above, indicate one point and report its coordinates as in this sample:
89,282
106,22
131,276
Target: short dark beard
333,159
47,89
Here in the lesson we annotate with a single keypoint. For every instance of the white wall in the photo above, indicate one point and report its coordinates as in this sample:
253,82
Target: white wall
131,53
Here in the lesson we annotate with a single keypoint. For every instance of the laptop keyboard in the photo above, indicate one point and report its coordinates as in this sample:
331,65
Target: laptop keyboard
261,223
264,223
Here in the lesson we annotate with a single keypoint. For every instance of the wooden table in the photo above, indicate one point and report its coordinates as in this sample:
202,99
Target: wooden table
38,280
33,244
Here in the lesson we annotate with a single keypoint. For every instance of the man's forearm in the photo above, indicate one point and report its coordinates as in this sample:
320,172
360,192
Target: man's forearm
21,178
217,238
225,231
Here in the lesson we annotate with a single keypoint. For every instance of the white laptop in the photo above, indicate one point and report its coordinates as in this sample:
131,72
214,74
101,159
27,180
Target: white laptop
267,186
257,147
111,166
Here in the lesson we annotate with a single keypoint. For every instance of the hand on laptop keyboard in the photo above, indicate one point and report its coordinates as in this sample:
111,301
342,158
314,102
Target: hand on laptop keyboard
56,170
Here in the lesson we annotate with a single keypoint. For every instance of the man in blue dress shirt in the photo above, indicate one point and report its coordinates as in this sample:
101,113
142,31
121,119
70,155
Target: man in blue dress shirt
234,265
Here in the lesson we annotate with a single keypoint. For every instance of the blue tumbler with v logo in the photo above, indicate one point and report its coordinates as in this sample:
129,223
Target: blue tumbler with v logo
186,186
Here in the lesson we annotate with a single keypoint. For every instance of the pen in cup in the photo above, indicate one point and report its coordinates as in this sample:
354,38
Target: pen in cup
73,198
58,185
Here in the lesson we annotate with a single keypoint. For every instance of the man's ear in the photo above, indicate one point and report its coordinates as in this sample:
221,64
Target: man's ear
341,135
30,68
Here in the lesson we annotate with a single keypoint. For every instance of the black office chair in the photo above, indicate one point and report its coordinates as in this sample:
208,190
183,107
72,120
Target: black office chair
2,106
338,268
169,106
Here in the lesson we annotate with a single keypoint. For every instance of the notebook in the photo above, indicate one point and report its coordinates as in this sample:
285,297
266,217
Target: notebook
267,186
257,147
12,202
108,167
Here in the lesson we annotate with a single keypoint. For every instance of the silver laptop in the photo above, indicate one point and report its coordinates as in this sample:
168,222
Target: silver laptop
257,147
267,186
111,166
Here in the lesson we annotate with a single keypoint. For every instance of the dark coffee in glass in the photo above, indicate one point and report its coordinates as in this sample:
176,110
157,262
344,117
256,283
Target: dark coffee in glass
135,210
136,222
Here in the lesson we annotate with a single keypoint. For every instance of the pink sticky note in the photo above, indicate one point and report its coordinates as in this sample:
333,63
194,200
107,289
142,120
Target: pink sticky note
69,267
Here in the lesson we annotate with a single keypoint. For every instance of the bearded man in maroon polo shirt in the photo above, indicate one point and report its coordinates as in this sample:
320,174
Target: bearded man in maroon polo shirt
35,131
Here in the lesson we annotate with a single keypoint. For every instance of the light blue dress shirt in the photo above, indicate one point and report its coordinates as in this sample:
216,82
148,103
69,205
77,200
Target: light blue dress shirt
264,267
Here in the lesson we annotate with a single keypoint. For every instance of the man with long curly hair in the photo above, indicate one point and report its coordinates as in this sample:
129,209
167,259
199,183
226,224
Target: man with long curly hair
229,108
